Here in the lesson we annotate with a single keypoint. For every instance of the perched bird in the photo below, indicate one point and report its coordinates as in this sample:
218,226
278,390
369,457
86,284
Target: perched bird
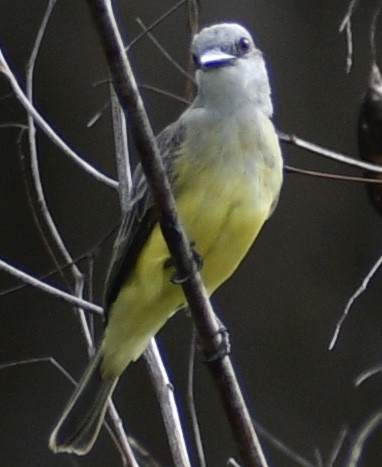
223,160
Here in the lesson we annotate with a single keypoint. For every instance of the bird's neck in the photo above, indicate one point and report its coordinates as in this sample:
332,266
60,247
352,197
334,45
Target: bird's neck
228,89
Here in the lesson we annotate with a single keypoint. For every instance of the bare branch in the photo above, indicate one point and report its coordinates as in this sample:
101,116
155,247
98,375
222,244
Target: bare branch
319,459
19,126
331,176
191,403
165,394
361,289
169,94
128,455
365,375
30,361
346,25
361,437
373,28
339,442
164,52
41,200
66,297
47,129
321,151
153,25
232,463
193,17
282,447
121,152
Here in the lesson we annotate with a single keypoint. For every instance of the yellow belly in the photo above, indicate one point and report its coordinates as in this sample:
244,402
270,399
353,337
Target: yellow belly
222,203
222,231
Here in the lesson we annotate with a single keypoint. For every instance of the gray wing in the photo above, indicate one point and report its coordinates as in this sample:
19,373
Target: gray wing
139,221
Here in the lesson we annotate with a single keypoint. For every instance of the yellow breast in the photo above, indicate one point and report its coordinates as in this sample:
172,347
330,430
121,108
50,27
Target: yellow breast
227,179
224,201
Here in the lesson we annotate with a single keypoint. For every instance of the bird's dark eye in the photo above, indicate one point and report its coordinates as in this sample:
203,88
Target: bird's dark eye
243,44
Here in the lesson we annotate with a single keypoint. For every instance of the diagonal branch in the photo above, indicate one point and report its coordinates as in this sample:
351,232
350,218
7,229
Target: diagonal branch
47,129
328,153
43,286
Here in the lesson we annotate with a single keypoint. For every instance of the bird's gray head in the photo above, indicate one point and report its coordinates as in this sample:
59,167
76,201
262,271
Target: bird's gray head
230,69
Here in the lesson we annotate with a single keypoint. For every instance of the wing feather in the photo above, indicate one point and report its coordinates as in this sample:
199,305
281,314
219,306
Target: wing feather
138,223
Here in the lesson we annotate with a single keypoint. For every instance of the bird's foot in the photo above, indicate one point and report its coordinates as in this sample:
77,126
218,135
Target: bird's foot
224,346
177,278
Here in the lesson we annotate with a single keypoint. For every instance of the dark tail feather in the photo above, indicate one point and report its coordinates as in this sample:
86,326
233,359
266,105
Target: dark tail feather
79,425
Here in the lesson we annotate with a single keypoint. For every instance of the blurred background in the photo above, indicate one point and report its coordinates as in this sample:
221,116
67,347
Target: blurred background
281,307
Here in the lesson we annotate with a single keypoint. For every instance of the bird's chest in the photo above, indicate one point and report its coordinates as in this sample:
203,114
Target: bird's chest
220,209
222,212
229,177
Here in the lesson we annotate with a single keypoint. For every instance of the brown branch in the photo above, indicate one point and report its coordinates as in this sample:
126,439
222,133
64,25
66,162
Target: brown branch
164,52
153,25
221,369
66,297
331,176
346,26
328,153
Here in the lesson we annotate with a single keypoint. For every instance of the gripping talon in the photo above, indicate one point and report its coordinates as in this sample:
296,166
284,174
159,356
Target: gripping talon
198,259
197,266
224,346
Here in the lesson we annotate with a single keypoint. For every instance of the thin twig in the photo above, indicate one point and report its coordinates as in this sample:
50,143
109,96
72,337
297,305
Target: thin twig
180,249
331,176
121,152
191,403
282,447
346,24
97,116
92,252
232,463
144,457
373,28
361,289
361,437
99,113
318,457
38,185
140,36
33,206
162,92
367,374
165,395
29,361
164,52
64,296
321,151
90,292
193,17
127,452
153,25
338,444
19,126
48,130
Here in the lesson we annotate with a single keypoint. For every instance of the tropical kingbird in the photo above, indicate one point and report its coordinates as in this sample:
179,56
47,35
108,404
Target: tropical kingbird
223,160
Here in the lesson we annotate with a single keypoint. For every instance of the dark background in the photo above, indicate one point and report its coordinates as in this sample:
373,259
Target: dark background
282,305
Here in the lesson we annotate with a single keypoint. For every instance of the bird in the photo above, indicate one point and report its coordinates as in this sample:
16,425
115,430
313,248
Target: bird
224,164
